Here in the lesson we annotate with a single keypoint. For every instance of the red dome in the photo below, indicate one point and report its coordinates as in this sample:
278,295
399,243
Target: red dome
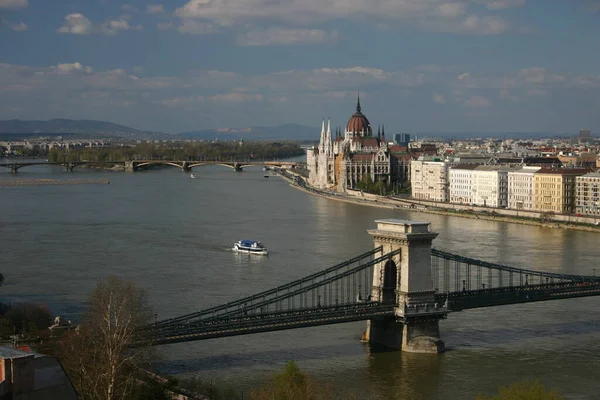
358,122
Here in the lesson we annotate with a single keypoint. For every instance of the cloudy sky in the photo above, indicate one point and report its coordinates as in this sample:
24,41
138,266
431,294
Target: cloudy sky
420,65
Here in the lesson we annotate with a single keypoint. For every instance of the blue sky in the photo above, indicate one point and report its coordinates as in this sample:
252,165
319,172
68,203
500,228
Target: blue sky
420,65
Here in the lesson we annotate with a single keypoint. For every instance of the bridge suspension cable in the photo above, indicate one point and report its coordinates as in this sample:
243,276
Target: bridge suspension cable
230,307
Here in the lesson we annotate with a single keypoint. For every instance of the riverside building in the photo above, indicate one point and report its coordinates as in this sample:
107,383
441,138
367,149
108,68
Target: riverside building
521,188
588,194
429,178
461,183
341,162
554,190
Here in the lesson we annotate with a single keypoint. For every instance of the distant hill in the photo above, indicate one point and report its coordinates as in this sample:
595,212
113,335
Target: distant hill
66,126
281,132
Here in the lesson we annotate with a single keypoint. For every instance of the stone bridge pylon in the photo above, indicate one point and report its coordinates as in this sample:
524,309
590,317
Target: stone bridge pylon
405,280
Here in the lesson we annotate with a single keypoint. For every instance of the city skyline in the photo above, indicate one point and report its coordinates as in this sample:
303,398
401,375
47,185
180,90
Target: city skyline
420,66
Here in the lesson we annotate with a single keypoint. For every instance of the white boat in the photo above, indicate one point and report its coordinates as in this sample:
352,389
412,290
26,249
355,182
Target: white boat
250,247
193,176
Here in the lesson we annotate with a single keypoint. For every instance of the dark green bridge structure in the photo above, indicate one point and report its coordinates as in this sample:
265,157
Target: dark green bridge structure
402,287
186,166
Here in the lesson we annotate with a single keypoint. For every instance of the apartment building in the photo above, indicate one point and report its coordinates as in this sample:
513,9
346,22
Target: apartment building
587,194
490,185
460,179
554,190
429,178
520,188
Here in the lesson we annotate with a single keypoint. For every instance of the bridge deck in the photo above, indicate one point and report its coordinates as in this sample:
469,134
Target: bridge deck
248,324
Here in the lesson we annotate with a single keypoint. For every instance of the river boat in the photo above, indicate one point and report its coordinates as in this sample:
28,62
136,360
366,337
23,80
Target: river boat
250,247
266,176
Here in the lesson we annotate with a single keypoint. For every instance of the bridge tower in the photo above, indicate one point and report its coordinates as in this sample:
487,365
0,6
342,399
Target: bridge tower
405,280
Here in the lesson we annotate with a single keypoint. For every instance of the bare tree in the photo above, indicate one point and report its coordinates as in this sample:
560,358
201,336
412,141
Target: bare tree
97,355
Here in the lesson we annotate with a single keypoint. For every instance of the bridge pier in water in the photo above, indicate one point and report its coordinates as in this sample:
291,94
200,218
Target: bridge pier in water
237,167
130,166
405,280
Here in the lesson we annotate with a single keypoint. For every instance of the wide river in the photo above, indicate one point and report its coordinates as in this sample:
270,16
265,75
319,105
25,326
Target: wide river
171,235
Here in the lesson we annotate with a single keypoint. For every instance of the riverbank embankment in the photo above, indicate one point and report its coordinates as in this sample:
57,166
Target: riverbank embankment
372,200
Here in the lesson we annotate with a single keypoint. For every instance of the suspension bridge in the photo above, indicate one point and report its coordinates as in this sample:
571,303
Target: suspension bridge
402,287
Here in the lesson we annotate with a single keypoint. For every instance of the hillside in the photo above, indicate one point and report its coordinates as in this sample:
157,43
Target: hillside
281,132
65,126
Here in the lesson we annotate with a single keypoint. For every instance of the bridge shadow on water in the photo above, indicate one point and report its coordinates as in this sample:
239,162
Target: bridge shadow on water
457,339
267,357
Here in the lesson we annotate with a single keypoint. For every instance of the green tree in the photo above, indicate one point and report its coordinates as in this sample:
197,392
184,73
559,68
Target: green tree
25,319
293,384
527,390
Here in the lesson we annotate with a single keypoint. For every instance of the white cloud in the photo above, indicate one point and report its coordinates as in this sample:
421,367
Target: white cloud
194,27
440,15
13,3
464,75
477,101
450,9
282,36
72,68
438,98
76,24
539,75
155,9
20,27
488,25
236,97
114,26
73,89
503,4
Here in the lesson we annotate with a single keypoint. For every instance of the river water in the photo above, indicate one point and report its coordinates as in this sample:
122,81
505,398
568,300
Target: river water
172,234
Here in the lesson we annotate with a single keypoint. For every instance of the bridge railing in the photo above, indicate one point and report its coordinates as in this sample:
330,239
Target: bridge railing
455,273
250,302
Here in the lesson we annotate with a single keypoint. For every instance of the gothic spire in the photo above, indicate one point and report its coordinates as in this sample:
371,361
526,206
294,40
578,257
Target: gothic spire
379,131
358,102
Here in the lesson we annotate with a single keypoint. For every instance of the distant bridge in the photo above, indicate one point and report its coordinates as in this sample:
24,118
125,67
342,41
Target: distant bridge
402,287
134,165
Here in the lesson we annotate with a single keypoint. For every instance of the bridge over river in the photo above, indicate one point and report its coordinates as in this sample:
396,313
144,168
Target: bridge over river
402,287
134,165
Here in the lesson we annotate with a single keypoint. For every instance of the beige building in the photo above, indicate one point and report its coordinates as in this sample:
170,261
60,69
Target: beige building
429,178
554,190
521,188
587,194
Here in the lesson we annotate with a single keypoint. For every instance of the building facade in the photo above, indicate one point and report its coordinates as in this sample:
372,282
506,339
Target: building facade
342,162
461,183
554,190
521,188
490,185
587,195
429,178
28,375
